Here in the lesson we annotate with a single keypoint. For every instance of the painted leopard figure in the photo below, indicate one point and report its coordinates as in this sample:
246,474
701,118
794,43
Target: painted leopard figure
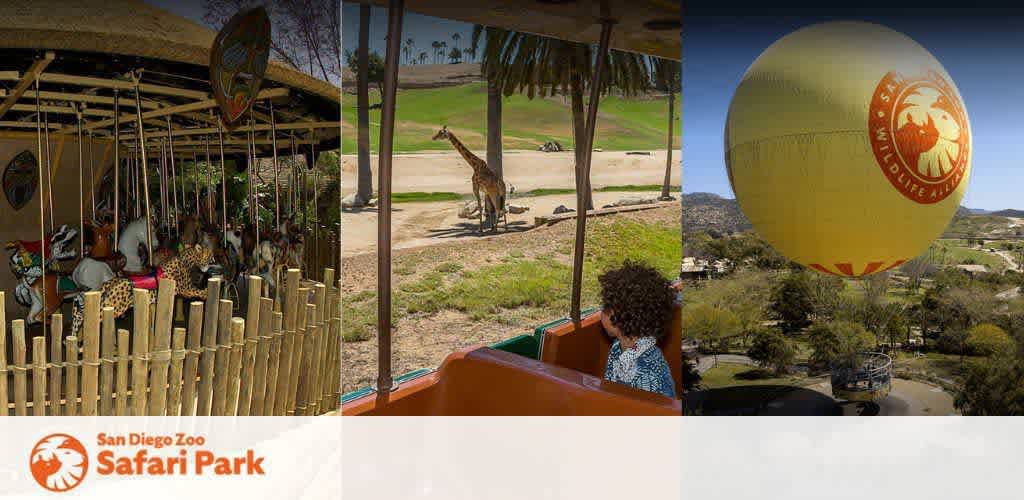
118,292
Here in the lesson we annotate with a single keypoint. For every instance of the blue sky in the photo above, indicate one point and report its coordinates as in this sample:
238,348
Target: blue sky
422,29
981,53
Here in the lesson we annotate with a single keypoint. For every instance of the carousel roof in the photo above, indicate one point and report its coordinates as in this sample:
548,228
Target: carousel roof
83,50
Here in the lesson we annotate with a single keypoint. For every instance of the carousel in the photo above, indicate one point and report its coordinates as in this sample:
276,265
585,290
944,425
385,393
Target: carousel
557,368
151,161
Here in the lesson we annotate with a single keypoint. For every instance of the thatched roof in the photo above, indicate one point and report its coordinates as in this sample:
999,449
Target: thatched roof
126,27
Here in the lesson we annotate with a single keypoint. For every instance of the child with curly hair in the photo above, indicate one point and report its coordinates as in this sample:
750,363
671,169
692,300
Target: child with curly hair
637,307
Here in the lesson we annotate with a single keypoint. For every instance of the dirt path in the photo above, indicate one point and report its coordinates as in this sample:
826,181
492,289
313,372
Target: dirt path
423,341
428,223
526,170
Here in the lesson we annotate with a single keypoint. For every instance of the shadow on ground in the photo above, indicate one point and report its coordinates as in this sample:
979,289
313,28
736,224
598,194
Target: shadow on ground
782,400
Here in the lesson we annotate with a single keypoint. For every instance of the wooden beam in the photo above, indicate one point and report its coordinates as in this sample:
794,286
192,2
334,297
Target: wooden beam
247,128
25,81
181,109
123,102
146,88
227,141
31,124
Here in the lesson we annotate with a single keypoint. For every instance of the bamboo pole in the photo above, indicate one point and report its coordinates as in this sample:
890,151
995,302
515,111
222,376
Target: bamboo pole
90,353
298,351
195,333
121,403
107,368
278,356
235,365
56,364
140,352
177,357
259,377
223,356
161,355
39,376
71,357
20,382
321,352
4,397
248,361
209,348
288,346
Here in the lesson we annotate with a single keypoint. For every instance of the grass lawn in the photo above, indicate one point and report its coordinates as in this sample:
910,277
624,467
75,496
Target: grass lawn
734,374
539,290
622,125
955,253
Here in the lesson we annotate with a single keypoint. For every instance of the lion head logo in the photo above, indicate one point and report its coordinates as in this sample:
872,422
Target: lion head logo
920,135
59,462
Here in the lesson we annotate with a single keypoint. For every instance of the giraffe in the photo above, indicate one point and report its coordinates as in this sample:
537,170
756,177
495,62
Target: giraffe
483,178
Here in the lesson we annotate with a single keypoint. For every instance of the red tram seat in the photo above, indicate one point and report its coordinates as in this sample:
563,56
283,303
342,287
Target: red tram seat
586,349
485,381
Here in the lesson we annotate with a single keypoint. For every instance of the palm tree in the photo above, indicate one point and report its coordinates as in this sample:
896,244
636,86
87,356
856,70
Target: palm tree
454,56
536,65
364,190
494,99
423,57
456,37
405,51
465,55
471,52
436,46
667,76
412,48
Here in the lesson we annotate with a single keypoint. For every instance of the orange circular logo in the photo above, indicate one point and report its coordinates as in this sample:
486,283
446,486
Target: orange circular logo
59,462
919,134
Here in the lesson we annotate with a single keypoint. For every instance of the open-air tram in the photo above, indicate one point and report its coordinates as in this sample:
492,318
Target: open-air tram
557,368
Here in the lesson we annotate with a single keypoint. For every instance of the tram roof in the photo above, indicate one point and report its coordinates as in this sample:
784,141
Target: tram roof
644,26
82,51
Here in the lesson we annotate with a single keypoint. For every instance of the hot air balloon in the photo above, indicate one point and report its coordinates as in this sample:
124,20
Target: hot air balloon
848,147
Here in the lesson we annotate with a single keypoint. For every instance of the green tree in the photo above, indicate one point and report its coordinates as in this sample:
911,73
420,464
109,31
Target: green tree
837,342
987,339
535,65
993,388
791,301
770,349
710,325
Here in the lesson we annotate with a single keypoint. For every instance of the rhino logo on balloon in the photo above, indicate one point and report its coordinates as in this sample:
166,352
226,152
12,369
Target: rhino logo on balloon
917,130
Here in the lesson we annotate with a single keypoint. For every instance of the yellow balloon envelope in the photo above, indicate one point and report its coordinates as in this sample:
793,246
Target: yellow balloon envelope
848,147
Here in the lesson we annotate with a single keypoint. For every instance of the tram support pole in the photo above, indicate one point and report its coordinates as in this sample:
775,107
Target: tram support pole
583,171
277,181
387,135
81,185
42,210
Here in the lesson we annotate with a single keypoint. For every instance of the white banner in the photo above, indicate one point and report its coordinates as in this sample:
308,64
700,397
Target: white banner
181,458
801,458
515,458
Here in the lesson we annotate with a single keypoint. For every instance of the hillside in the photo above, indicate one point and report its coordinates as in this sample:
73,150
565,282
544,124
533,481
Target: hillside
622,125
705,211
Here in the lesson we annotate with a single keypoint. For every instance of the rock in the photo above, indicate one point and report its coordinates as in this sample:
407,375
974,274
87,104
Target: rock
353,201
469,210
551,147
562,209
517,209
626,202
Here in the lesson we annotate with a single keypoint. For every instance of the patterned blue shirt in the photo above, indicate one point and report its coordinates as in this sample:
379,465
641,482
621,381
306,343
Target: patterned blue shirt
652,371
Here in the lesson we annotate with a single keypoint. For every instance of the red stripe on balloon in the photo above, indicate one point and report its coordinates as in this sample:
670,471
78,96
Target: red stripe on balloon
845,268
872,267
894,264
823,269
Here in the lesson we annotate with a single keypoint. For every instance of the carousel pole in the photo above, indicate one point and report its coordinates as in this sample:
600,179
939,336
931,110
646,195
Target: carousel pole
253,187
277,186
387,136
117,168
583,170
223,180
291,179
162,185
81,186
92,175
316,211
195,177
209,180
42,209
174,179
49,180
136,169
141,136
